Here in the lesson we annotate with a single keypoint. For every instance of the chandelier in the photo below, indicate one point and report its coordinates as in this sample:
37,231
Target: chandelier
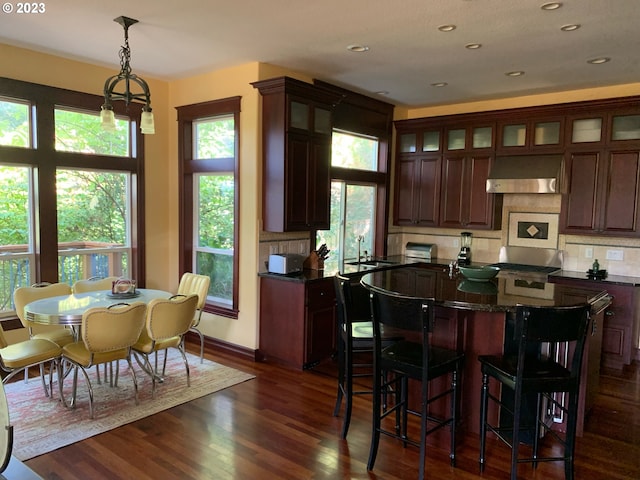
126,79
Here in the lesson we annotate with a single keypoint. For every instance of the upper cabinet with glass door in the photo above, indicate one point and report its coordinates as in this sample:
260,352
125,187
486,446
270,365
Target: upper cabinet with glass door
420,141
625,127
615,128
530,136
469,138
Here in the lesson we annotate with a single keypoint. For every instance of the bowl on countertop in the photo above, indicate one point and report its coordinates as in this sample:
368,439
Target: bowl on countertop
478,273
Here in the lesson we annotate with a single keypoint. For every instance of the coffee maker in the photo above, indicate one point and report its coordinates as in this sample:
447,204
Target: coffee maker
464,257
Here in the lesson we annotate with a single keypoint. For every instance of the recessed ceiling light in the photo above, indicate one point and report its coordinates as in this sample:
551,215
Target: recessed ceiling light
473,46
515,73
357,48
447,28
599,60
382,92
551,5
570,28
439,84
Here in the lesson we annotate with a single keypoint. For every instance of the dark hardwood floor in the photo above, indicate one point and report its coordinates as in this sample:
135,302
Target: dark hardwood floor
280,426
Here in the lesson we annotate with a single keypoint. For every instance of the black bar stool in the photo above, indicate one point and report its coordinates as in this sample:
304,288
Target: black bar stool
413,357
355,339
532,372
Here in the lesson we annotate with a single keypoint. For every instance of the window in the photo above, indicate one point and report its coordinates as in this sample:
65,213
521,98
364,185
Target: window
67,189
208,133
17,264
94,214
78,132
353,201
15,124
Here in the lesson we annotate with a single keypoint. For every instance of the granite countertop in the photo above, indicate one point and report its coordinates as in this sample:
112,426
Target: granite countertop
611,279
395,261
454,291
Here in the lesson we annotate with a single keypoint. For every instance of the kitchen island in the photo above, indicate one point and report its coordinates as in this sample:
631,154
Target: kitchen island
477,318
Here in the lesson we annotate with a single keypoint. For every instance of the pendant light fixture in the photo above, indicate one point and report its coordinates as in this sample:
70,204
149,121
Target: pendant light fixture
126,79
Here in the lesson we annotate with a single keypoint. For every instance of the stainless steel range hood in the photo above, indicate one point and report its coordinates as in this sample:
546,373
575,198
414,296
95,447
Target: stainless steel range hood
526,174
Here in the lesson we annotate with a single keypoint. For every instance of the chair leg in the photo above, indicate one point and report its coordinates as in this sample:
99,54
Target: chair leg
454,415
515,436
194,329
424,413
184,359
44,382
570,439
341,376
375,424
536,431
135,380
484,396
404,392
348,394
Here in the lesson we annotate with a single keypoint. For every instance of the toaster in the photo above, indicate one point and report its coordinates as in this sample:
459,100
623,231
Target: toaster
285,263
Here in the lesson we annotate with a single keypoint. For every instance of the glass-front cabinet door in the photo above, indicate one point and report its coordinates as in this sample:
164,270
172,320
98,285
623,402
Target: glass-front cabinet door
586,130
482,137
625,127
530,135
423,141
469,138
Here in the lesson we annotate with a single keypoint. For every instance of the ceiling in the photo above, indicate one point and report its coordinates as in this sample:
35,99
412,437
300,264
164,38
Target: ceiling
407,53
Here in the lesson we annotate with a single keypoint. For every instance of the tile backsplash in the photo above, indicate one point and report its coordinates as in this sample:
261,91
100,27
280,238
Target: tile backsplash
271,243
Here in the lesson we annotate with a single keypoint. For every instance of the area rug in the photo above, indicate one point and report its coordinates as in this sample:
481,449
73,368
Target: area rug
42,424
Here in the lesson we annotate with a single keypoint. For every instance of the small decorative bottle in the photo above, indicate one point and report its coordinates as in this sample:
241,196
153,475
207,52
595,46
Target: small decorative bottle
596,267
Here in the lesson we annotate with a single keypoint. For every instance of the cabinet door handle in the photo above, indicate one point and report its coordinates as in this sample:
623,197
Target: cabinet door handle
610,313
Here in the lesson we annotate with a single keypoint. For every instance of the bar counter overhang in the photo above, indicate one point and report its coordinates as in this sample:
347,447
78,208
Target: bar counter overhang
477,318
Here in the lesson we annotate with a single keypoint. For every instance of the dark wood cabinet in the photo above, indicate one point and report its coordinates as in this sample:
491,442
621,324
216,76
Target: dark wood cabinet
297,321
441,174
417,189
297,127
603,193
464,201
621,319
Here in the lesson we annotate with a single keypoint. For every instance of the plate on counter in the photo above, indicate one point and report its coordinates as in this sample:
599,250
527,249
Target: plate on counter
123,296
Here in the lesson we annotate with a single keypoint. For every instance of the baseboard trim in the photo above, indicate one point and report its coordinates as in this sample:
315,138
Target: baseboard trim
217,345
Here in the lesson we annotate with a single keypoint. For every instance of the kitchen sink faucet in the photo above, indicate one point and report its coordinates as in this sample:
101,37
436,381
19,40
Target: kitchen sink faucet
360,239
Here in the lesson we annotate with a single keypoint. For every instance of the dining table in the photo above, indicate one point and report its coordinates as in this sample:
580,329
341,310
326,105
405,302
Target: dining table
67,310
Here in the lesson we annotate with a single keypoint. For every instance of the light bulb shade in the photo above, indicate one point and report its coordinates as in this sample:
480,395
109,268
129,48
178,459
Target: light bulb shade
147,125
108,119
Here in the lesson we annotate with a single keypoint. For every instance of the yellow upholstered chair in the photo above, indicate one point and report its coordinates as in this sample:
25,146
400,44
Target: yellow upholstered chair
24,295
93,284
107,336
199,284
21,355
166,323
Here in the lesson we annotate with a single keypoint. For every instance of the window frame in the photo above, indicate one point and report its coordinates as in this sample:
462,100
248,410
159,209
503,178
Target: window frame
362,115
45,160
187,167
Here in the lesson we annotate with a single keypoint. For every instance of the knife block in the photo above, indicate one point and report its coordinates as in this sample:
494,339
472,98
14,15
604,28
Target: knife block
313,262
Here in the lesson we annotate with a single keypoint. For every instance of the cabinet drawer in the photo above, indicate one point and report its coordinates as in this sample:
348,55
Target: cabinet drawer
320,293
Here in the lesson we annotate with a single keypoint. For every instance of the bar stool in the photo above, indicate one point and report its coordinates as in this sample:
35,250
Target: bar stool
413,357
355,338
532,372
